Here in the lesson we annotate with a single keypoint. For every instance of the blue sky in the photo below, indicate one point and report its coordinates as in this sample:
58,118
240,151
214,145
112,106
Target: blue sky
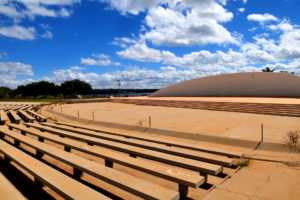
142,43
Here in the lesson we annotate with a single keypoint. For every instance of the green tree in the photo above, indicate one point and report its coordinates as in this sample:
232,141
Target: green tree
37,89
267,69
76,87
5,92
286,72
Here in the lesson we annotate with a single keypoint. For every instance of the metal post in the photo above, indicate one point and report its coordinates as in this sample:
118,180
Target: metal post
60,108
78,113
262,132
149,121
93,116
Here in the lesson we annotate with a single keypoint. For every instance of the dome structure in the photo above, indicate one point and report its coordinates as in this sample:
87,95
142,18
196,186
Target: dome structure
251,84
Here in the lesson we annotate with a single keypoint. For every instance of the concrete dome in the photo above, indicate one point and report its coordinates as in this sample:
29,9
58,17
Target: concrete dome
251,84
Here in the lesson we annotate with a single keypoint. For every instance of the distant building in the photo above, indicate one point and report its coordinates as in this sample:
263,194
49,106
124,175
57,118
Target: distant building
251,84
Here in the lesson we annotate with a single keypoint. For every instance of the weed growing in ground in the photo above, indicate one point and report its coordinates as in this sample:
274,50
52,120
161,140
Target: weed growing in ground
243,163
292,140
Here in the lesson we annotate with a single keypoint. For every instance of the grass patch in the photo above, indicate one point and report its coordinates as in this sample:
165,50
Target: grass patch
243,163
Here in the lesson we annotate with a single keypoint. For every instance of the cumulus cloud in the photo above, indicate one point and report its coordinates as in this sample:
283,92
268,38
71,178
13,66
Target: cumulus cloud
262,18
9,72
131,6
284,26
33,8
196,26
98,60
180,23
18,32
141,52
136,77
14,11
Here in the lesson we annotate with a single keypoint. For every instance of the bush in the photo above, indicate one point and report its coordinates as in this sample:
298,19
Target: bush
243,163
292,140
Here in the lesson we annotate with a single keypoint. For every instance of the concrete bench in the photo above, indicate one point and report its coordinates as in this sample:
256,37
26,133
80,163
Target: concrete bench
3,117
134,185
16,118
184,178
8,190
43,174
28,117
38,116
187,153
220,151
202,167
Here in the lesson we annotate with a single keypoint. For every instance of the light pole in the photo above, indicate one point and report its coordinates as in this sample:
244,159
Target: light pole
119,85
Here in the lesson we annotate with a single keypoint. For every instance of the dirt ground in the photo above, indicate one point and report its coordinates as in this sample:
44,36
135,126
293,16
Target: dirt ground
272,173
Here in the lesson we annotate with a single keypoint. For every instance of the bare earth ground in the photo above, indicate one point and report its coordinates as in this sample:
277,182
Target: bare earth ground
260,180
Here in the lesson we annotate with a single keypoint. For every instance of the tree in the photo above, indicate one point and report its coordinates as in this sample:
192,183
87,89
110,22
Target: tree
75,87
36,89
5,92
267,69
286,72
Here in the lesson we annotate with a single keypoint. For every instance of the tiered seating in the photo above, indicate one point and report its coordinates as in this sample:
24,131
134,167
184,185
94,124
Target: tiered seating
196,155
8,191
3,117
258,108
202,167
124,181
184,178
233,154
27,117
38,116
16,119
187,165
45,175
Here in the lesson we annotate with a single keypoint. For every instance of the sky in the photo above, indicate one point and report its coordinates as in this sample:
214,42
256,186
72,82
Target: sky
144,43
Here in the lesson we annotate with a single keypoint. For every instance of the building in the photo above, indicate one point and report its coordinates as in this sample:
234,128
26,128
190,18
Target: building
251,84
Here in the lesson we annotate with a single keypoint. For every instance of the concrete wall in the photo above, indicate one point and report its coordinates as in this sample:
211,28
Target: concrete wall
255,84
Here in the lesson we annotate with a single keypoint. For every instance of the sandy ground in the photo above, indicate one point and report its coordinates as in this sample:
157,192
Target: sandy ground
219,123
261,180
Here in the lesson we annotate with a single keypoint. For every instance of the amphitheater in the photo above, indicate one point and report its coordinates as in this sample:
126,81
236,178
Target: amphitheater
182,142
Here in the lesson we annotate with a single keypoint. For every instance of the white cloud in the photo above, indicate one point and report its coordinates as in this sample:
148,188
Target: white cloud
15,68
18,32
262,18
47,35
102,60
33,8
241,10
102,55
179,22
131,6
123,42
141,52
9,72
77,68
14,11
196,26
135,77
284,26
205,59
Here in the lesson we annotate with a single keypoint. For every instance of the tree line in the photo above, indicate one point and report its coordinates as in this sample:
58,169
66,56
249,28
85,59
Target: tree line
68,89
46,89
